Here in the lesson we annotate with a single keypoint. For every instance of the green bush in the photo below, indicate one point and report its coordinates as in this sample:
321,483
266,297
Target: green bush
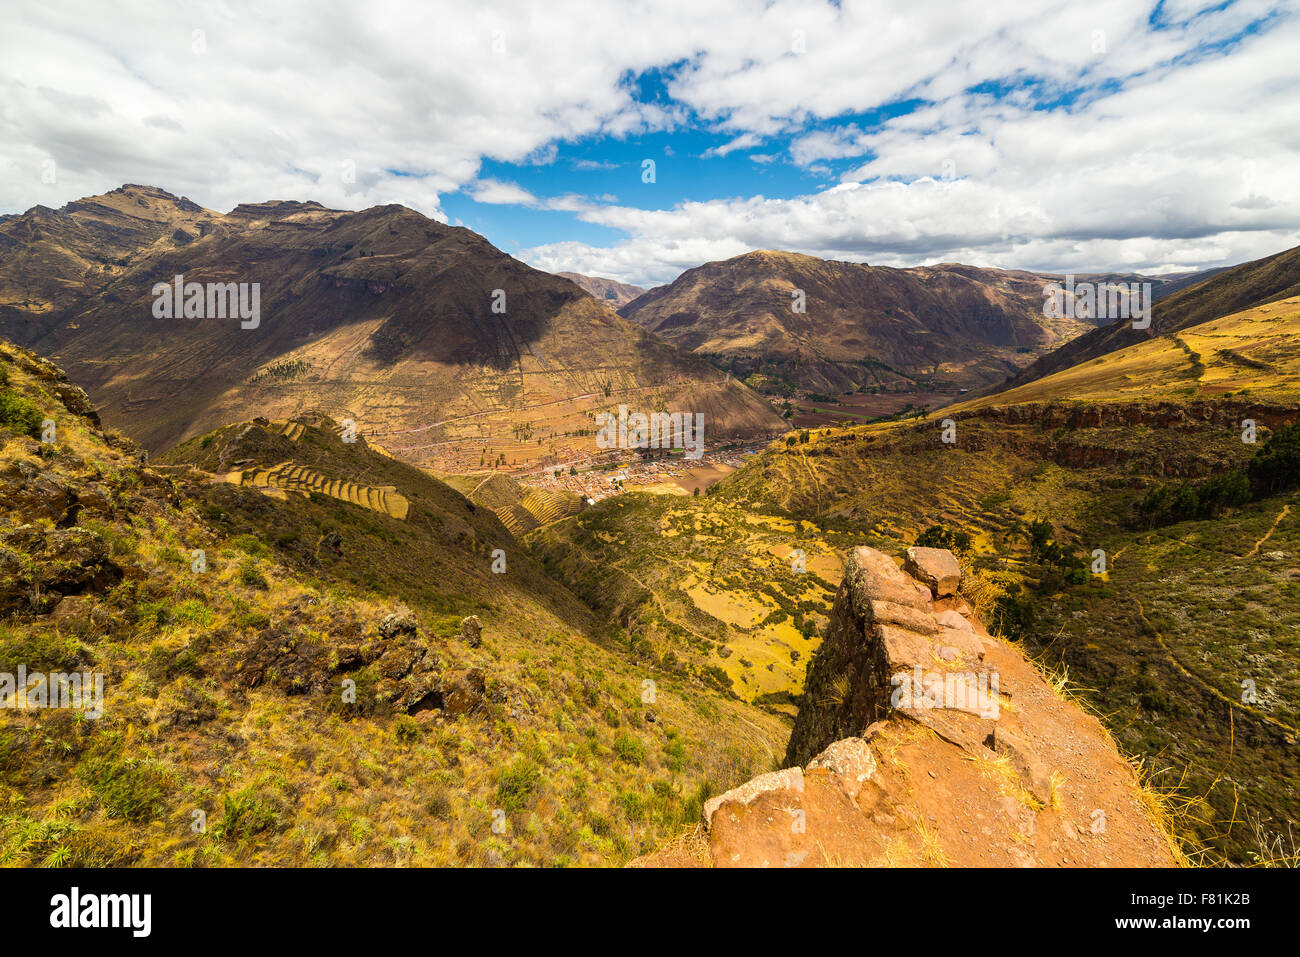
20,414
244,814
126,788
936,536
250,575
249,544
517,783
629,749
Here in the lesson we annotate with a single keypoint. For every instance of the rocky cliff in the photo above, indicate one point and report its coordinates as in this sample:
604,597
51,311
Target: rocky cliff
922,740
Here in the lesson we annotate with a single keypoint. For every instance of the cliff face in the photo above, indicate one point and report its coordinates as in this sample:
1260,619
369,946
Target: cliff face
924,741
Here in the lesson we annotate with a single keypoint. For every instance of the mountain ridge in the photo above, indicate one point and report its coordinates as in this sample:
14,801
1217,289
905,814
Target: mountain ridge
408,326
862,326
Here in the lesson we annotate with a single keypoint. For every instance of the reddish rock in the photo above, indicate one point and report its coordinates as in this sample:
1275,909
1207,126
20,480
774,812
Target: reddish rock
936,567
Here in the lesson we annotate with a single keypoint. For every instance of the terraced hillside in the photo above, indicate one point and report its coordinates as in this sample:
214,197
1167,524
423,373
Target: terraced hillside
325,683
521,508
709,587
289,477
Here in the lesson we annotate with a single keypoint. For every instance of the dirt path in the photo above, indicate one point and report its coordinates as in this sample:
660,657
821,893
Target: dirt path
1187,673
1286,510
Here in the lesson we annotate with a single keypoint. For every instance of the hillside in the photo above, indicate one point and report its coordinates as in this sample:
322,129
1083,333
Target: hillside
864,327
1249,353
294,673
1199,576
610,291
381,316
1225,292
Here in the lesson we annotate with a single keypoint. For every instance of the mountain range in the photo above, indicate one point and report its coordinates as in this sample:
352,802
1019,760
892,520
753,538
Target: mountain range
827,326
320,554
428,338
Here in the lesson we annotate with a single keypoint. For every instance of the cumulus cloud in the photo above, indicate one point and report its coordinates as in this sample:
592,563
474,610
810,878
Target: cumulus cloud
1116,134
497,193
1186,164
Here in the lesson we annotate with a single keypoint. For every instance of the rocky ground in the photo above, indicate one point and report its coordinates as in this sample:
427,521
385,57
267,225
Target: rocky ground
924,741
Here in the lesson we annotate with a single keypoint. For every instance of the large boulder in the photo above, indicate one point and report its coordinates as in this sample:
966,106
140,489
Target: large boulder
399,624
471,631
462,691
936,567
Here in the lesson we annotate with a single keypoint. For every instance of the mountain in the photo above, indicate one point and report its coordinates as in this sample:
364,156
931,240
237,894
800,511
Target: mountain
606,290
52,259
1225,292
862,326
433,342
303,648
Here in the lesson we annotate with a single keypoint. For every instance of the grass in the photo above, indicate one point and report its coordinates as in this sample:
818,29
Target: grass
282,770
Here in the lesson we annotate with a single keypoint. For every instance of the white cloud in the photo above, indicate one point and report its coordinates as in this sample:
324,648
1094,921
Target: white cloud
743,142
1176,153
1185,166
497,193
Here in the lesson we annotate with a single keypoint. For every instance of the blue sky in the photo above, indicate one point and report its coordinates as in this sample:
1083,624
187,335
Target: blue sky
1121,134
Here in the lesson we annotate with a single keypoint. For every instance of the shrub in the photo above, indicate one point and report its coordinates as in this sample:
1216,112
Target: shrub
517,783
250,575
249,544
244,814
629,749
674,753
126,788
937,536
20,414
192,612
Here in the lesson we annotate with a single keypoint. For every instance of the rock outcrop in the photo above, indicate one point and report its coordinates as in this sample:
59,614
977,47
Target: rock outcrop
922,740
890,642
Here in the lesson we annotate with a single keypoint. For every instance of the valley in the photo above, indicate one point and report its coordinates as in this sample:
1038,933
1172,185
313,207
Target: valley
368,590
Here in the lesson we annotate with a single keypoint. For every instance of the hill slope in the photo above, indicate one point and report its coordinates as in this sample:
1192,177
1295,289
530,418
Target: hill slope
294,677
1254,352
1223,293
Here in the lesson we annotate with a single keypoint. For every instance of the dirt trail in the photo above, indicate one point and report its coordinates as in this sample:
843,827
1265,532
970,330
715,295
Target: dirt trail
1286,510
1187,673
